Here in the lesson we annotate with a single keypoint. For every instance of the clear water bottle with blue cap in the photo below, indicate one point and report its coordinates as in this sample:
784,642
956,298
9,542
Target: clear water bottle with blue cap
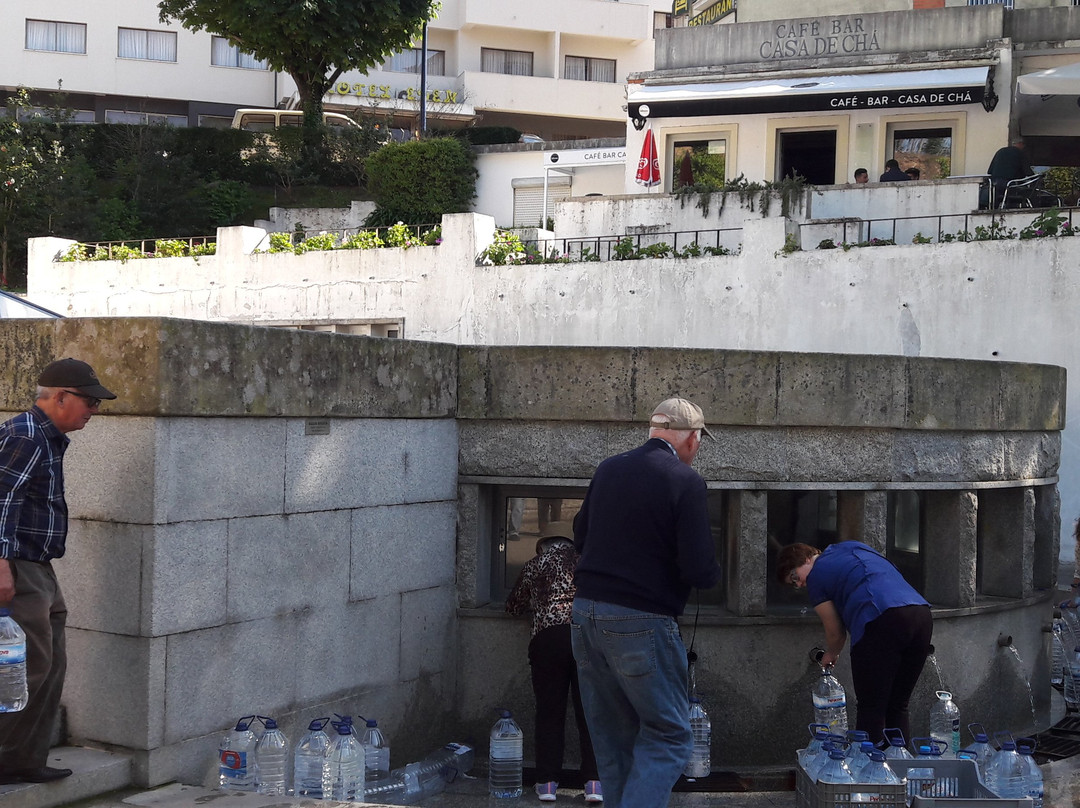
343,774
814,766
859,762
830,699
982,748
853,749
271,760
13,691
836,769
897,748
819,733
877,770
376,748
1033,778
1006,772
236,757
1057,655
308,760
504,757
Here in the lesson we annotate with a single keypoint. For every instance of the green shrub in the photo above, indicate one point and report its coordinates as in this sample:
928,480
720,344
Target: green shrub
364,240
417,182
505,249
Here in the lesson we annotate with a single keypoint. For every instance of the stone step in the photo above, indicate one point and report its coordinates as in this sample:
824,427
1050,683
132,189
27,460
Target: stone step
95,772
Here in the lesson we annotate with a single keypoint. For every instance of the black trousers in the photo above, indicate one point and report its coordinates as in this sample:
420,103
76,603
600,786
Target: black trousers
38,608
885,667
554,677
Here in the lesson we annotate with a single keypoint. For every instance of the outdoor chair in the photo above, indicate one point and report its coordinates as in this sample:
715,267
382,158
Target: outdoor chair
1020,193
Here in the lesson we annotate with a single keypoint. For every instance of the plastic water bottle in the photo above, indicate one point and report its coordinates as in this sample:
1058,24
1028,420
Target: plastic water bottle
861,759
982,749
945,723
1057,655
835,769
343,774
1070,617
376,749
813,767
830,702
308,760
504,759
897,748
236,757
1072,679
1033,778
13,693
411,784
1006,773
271,760
700,763
819,733
877,770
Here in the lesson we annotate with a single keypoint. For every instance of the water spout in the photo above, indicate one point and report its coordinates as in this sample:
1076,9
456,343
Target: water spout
1004,640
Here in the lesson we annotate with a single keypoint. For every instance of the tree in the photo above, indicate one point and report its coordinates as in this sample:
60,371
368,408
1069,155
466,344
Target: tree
31,172
314,41
417,182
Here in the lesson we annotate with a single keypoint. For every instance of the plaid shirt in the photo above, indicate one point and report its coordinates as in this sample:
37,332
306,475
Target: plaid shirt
33,513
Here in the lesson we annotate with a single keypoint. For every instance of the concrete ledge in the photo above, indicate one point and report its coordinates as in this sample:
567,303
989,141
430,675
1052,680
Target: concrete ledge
95,772
759,388
165,366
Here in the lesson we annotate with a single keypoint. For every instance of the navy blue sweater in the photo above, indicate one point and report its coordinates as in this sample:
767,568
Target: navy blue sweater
643,532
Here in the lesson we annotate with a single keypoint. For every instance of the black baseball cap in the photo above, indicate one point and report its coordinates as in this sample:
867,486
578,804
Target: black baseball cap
73,373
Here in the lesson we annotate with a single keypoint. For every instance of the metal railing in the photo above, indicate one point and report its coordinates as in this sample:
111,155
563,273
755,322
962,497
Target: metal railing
149,247
658,244
985,225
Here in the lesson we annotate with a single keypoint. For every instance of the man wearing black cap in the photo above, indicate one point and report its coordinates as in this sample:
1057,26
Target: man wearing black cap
33,529
644,538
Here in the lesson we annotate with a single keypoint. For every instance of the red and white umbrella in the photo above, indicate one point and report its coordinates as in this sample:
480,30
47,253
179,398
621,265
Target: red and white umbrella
648,169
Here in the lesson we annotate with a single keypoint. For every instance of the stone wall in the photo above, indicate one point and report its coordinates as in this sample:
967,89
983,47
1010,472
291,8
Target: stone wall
263,522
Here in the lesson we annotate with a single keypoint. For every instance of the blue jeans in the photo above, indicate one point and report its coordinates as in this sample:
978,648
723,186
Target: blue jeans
632,670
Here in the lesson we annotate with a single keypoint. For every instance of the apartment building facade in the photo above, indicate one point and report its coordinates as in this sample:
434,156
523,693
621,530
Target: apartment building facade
556,70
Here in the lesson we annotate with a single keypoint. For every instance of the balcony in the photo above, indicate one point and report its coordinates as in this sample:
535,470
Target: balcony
538,95
603,19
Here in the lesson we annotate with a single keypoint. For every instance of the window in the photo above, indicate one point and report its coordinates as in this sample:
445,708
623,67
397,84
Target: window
699,161
929,150
512,63
62,37
135,43
522,512
796,516
904,535
160,118
409,61
224,54
586,68
1007,3
662,19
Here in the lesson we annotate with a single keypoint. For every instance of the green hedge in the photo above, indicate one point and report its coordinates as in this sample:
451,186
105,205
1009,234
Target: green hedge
418,181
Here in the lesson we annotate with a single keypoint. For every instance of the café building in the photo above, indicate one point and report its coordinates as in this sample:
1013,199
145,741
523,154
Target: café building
821,96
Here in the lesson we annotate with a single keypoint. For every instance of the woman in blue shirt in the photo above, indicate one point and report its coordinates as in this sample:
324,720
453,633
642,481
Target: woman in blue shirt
855,590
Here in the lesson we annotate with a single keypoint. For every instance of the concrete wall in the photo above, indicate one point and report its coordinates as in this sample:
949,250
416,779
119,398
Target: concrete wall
226,558
783,420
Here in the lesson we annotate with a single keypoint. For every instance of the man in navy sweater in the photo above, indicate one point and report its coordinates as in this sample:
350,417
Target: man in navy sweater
644,538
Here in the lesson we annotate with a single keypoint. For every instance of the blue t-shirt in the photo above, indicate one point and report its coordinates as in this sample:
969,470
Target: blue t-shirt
860,582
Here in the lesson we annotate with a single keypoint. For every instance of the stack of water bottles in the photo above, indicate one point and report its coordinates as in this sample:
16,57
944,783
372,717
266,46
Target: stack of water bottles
340,766
837,769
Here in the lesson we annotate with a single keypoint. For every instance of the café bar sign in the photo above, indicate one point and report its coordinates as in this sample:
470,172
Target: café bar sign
584,157
834,100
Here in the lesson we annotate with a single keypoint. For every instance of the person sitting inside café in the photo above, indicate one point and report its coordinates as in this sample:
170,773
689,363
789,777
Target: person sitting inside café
893,173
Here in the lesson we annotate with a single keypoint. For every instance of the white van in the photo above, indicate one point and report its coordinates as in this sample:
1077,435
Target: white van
265,120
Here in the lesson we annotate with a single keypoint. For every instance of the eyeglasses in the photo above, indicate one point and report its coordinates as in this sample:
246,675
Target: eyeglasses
91,401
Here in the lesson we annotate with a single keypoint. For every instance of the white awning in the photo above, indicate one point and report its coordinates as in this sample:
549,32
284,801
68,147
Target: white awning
1063,80
908,88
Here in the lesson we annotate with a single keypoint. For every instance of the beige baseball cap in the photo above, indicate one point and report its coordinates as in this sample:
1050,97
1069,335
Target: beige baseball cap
678,413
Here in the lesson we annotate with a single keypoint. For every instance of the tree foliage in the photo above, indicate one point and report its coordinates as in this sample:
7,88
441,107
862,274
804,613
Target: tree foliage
417,182
314,41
